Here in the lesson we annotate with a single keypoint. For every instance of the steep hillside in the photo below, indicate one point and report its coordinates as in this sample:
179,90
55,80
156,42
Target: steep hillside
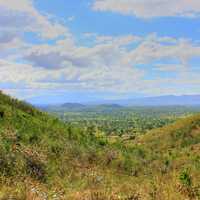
173,158
43,158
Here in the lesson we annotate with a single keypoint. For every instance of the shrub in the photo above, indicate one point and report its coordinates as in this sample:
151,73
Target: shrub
185,178
36,169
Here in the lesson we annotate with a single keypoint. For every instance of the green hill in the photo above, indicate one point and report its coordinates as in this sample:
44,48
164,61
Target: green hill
43,158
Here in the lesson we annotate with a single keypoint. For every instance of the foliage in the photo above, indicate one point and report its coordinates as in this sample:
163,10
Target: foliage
42,157
185,178
115,120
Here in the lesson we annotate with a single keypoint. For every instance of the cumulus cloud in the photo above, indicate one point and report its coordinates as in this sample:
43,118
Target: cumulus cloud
21,15
150,8
109,63
152,48
106,52
67,78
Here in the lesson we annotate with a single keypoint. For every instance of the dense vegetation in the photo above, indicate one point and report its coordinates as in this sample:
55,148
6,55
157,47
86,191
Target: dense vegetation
43,158
115,120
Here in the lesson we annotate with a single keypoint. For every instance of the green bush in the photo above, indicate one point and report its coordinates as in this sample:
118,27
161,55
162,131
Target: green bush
185,178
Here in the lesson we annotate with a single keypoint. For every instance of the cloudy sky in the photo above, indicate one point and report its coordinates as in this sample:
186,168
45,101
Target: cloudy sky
82,50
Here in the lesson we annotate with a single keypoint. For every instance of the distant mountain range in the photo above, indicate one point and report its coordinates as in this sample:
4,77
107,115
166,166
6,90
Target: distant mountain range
184,100
81,107
73,105
170,100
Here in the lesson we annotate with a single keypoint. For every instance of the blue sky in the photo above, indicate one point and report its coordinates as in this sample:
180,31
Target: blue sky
85,50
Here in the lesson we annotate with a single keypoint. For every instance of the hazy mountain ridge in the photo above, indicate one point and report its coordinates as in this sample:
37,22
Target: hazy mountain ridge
71,105
169,100
81,107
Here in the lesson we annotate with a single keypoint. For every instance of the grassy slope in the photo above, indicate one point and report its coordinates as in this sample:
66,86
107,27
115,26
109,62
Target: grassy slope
40,156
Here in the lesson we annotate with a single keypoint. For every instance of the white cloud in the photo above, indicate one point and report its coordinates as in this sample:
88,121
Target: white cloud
108,64
150,8
67,78
65,65
152,48
21,16
106,52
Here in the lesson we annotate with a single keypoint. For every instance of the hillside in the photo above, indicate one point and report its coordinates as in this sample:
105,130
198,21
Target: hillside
43,158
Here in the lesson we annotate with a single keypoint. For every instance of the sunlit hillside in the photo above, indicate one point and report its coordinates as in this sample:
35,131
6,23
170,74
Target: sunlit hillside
43,158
